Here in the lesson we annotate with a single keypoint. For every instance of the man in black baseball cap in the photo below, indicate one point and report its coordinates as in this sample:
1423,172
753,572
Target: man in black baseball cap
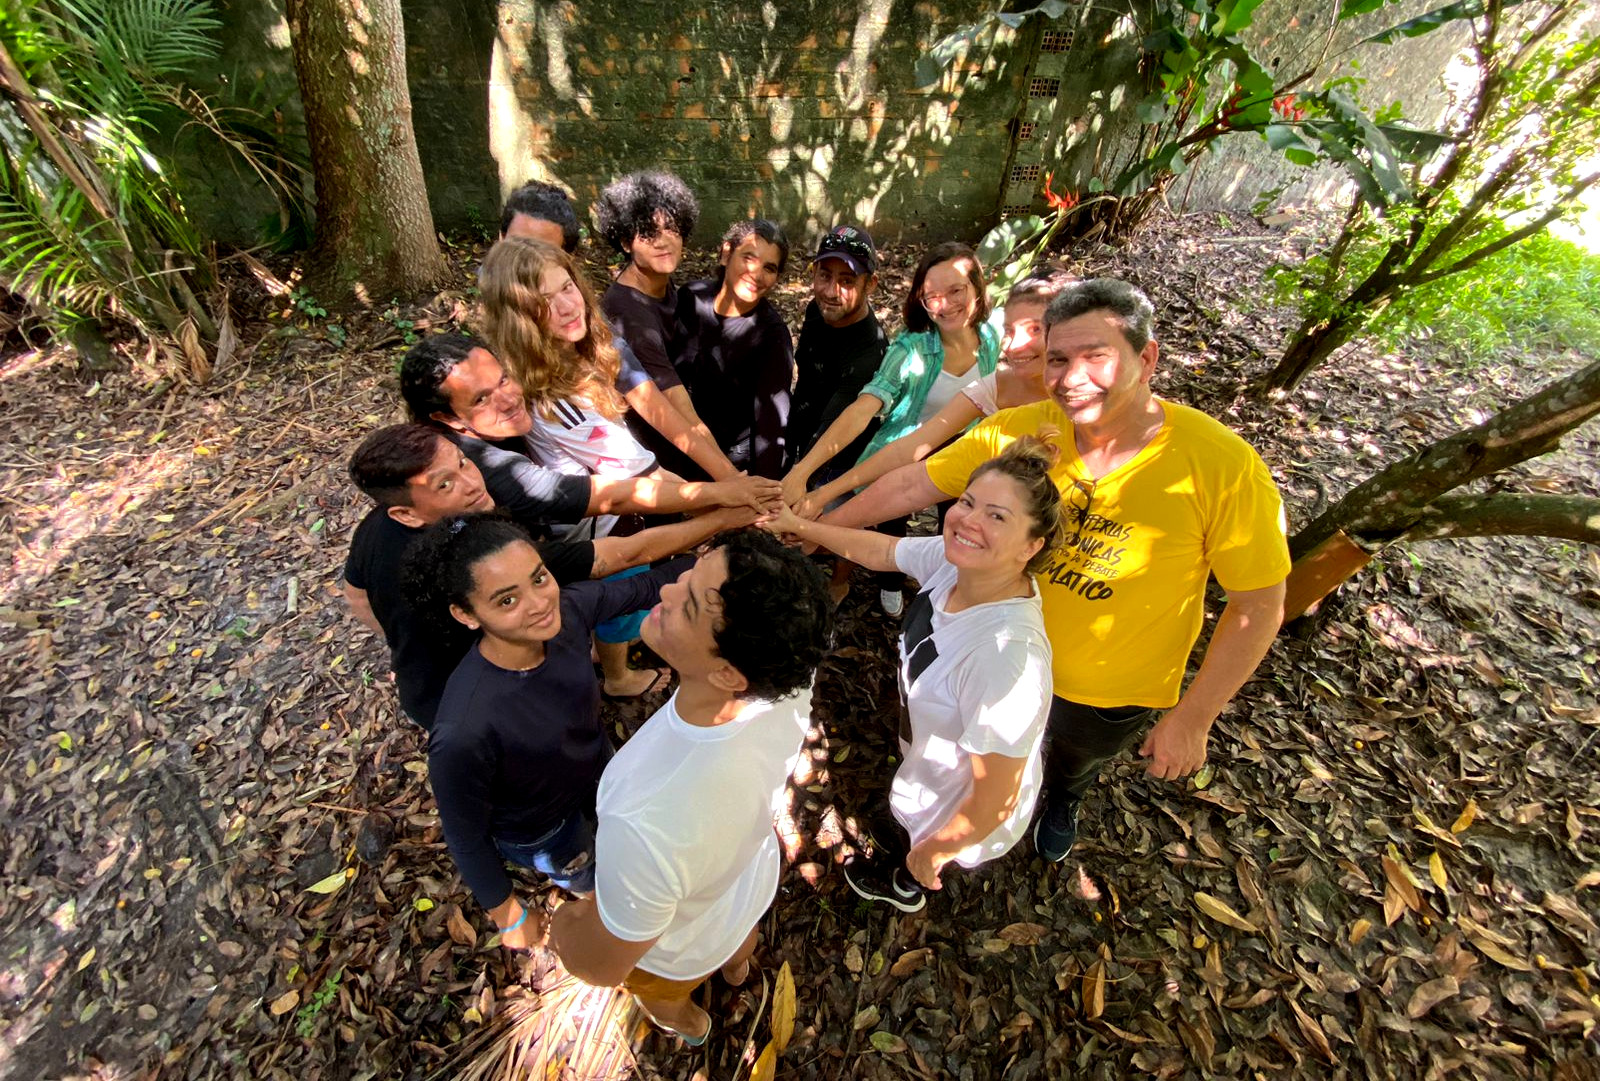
841,345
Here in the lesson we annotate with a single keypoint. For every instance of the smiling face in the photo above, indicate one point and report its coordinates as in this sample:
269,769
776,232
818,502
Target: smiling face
751,270
1093,373
1023,345
659,254
565,318
484,401
989,527
841,294
450,485
948,296
514,599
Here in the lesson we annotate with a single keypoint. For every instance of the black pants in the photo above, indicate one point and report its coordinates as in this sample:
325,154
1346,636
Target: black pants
1080,739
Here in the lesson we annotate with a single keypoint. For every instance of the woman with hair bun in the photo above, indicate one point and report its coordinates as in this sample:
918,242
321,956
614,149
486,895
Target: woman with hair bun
974,673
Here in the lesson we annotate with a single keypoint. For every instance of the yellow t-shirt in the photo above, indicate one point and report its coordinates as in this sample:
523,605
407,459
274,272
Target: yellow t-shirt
1124,596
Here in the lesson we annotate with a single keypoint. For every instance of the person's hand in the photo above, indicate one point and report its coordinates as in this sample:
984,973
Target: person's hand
737,517
924,861
781,524
811,507
530,935
1175,747
758,493
794,487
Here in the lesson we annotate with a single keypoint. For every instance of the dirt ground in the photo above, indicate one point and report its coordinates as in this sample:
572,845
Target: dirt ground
221,859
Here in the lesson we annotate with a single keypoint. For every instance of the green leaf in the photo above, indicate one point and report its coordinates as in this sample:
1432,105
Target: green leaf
998,243
1430,21
1235,17
1351,8
1385,163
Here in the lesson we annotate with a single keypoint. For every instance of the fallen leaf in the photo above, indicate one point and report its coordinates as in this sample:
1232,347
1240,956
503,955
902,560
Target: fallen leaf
1312,1031
852,958
909,962
1436,871
766,1067
1404,884
1024,934
887,1042
1094,990
783,1009
333,883
461,932
1359,929
1222,913
866,1018
1568,910
1430,994
1464,819
284,1003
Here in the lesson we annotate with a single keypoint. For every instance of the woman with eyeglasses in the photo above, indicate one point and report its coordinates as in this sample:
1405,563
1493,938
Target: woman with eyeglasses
1018,381
946,346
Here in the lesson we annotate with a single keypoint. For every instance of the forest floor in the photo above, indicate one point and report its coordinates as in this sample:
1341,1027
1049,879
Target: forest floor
221,858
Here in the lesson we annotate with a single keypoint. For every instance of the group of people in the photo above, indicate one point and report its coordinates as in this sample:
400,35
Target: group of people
529,517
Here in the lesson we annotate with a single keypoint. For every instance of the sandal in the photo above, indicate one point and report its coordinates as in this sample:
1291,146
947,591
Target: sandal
692,1041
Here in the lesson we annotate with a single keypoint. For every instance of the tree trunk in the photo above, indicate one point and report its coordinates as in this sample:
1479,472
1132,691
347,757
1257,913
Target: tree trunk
1308,350
374,231
1390,504
1508,514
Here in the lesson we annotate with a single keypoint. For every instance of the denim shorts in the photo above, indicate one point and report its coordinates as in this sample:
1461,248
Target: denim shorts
565,855
623,628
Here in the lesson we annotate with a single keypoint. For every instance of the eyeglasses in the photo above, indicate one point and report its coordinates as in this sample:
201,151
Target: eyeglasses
1079,500
954,298
849,242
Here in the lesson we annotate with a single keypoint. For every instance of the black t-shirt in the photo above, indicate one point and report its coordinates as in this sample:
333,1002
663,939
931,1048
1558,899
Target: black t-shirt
533,494
650,327
516,753
424,654
738,370
834,364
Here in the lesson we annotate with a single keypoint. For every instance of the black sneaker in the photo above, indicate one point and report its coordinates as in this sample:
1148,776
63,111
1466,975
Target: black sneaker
1056,828
898,888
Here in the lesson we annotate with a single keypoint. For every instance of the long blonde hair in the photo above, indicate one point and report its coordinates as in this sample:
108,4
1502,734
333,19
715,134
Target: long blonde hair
516,315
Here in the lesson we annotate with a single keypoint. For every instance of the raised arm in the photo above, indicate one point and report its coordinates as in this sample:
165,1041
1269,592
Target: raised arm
907,489
944,426
613,554
873,551
849,424
663,495
688,435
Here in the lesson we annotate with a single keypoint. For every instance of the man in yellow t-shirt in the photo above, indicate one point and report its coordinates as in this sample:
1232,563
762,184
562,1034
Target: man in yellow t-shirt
1161,496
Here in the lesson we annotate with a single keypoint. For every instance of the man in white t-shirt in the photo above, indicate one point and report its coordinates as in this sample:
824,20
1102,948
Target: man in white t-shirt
686,857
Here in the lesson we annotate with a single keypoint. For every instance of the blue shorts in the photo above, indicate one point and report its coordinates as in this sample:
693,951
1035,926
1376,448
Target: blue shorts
565,855
623,628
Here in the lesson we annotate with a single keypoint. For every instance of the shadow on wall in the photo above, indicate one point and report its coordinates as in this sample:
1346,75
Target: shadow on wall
804,112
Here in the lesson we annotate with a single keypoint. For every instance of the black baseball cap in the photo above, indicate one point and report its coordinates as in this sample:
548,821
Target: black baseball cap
851,245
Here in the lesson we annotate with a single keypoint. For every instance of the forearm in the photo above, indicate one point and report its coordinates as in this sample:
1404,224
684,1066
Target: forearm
661,414
909,448
987,806
613,554
361,608
907,489
849,424
679,397
873,551
1244,633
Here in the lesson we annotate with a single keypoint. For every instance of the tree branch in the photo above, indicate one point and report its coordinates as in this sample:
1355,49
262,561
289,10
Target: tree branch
1569,517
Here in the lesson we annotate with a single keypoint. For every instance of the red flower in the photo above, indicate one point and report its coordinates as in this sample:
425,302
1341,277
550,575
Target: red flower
1063,202
1286,109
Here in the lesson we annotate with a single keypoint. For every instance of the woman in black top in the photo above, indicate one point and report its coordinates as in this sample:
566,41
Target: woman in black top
517,748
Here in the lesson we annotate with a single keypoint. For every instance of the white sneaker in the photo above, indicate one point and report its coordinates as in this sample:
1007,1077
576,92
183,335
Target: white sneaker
893,602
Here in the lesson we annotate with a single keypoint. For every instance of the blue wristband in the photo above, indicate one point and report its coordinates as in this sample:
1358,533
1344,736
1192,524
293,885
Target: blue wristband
520,920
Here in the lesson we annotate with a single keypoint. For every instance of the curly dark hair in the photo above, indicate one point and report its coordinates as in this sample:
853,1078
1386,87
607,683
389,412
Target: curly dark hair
437,569
386,460
777,618
546,202
767,230
425,368
917,317
628,206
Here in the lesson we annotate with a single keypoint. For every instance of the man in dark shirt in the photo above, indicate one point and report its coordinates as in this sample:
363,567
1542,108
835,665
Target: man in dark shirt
841,346
541,211
738,364
417,477
455,383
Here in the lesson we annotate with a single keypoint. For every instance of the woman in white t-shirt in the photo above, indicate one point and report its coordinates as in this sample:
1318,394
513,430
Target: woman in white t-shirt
974,673
1019,380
